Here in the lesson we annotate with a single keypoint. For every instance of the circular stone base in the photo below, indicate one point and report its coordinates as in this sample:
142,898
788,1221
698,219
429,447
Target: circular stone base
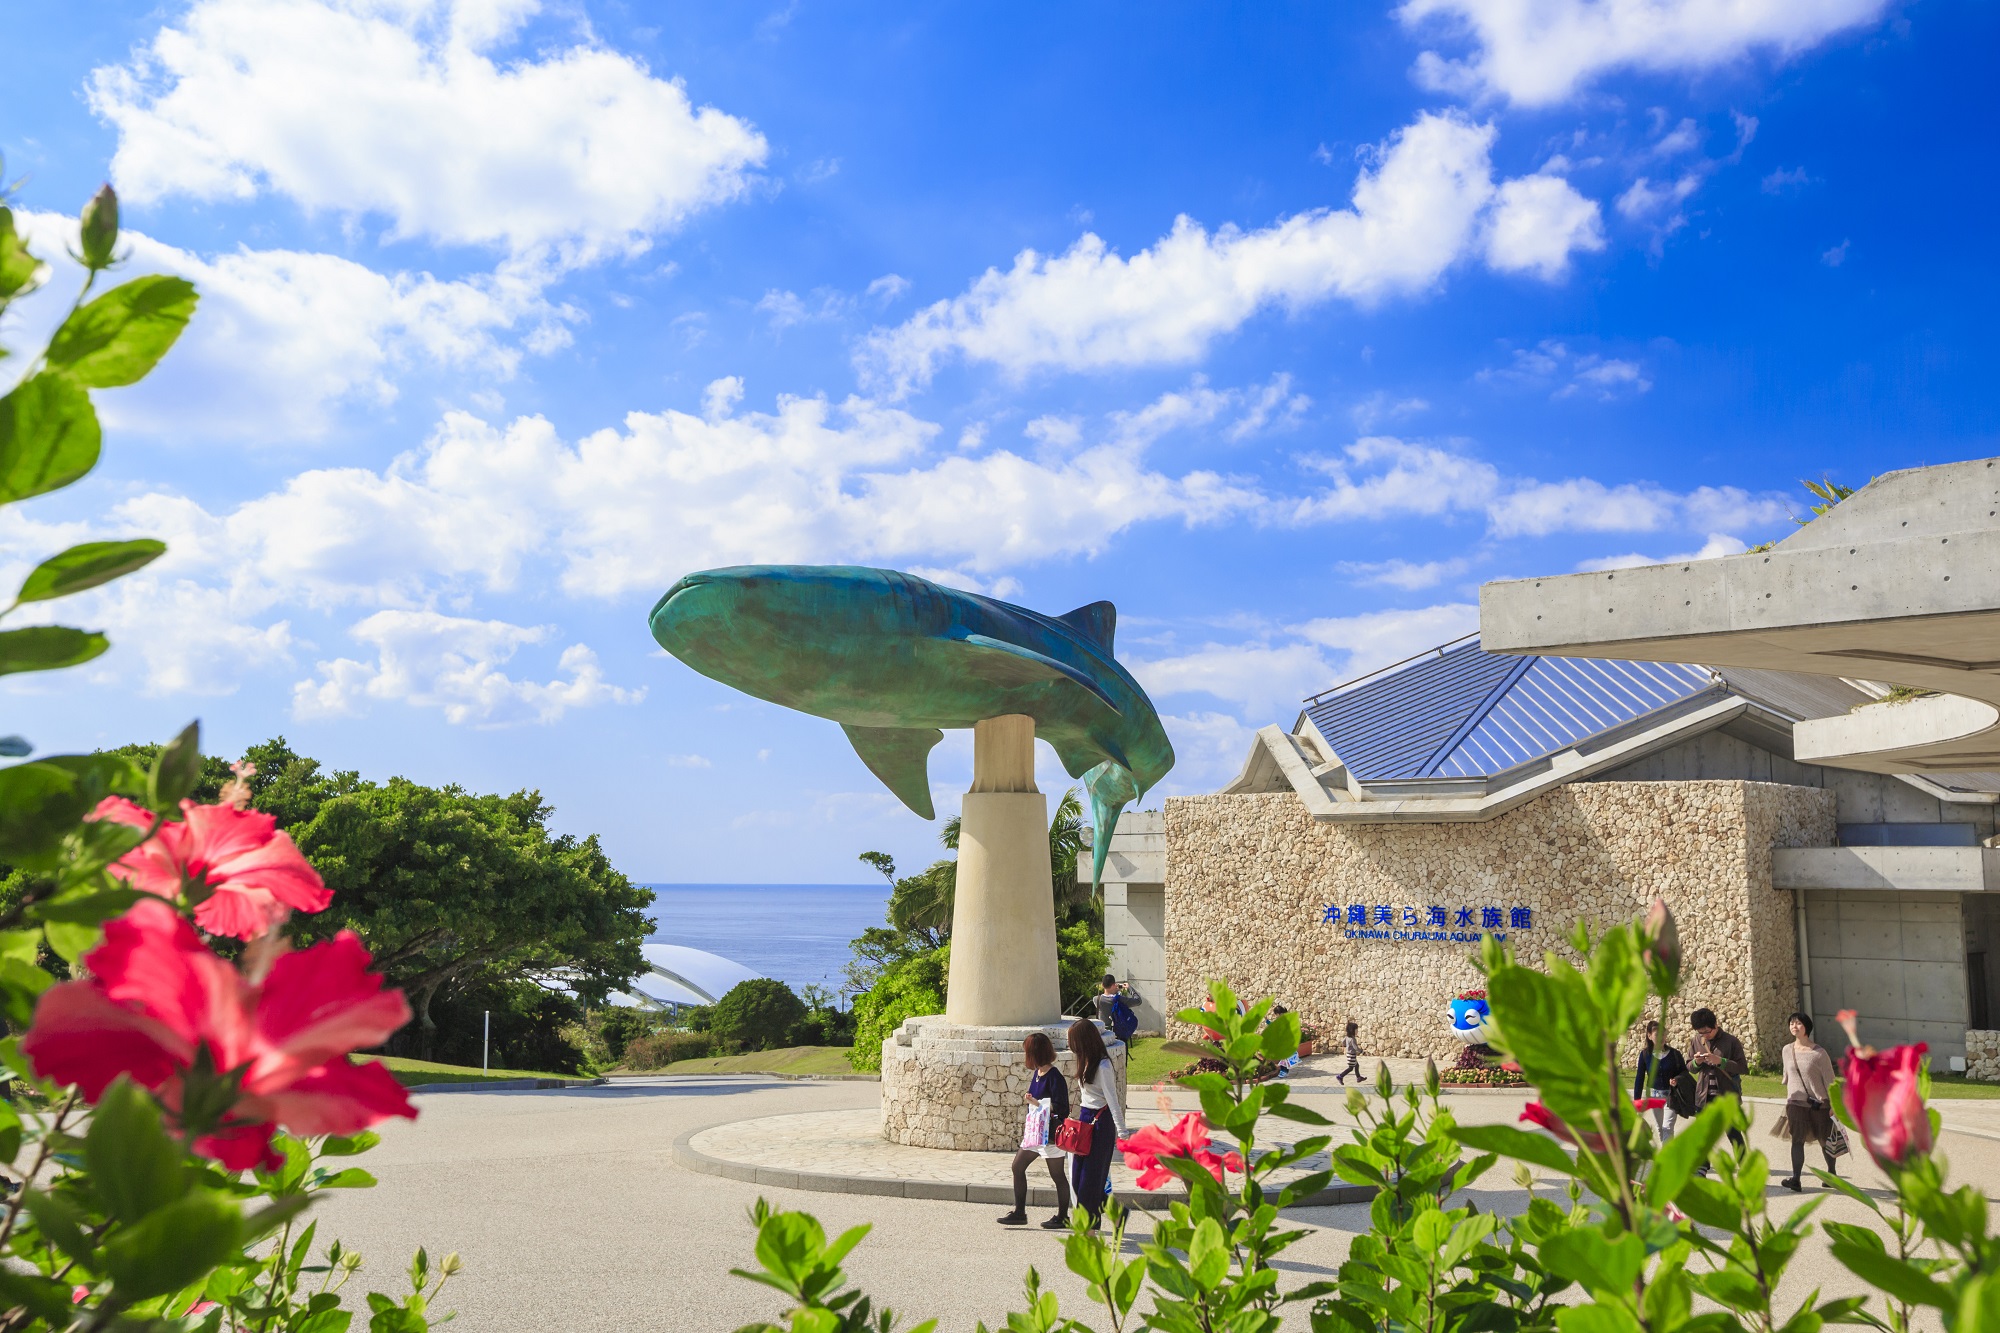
965,1088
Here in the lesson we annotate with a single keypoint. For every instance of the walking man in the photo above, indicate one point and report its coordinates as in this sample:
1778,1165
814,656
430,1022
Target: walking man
1719,1065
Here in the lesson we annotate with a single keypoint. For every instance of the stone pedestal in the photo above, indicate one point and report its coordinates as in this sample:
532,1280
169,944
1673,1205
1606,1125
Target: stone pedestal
947,1085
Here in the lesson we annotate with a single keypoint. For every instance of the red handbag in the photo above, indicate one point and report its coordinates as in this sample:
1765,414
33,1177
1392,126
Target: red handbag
1073,1136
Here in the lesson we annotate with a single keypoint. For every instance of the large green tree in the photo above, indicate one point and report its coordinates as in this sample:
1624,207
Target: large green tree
449,888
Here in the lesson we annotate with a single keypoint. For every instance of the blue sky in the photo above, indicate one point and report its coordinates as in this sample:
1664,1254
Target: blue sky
1283,332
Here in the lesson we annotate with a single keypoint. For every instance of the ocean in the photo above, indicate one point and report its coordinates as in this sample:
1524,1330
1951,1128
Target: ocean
797,933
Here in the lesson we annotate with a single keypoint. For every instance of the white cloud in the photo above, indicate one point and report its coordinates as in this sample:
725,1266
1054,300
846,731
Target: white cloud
1836,256
1379,407
1568,374
1208,751
696,761
1545,52
888,287
1415,213
1377,638
1718,544
1260,678
406,109
1407,575
1644,200
1784,179
1538,222
1584,505
284,336
453,664
1378,476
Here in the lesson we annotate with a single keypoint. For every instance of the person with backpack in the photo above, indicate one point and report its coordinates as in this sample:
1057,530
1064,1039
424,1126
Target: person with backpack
1047,1084
1113,1010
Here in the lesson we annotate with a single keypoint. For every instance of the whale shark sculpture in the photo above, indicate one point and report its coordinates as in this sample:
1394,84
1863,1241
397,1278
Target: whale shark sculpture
894,658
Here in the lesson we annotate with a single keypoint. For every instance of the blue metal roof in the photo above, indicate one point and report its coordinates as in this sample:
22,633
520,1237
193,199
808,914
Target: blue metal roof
1468,713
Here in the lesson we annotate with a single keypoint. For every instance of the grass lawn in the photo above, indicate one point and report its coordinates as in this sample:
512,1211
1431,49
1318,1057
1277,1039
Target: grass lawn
1146,1062
789,1060
408,1072
1944,1087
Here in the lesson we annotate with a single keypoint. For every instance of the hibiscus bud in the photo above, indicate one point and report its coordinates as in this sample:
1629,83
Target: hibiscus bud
1524,1175
452,1264
1884,1098
1431,1076
1662,954
100,229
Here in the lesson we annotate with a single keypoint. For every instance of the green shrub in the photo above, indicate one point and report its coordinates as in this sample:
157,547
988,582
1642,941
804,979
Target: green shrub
756,1015
908,989
656,1050
1081,959
617,1027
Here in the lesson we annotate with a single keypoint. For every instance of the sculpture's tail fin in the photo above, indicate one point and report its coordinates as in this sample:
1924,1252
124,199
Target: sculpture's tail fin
1111,787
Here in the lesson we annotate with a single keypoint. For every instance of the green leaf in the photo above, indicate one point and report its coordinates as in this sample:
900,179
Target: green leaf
173,1246
39,804
71,941
1901,1280
87,908
1674,1165
21,984
61,1223
347,1145
20,272
46,1298
1208,1255
1602,1266
353,1178
1710,1204
87,566
121,335
1595,1319
1516,1143
48,648
136,1169
48,436
177,770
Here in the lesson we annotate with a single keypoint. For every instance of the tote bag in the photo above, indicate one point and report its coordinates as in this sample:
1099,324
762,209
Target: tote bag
1035,1133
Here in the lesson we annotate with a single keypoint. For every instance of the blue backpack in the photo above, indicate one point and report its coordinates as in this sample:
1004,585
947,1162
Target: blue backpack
1123,1021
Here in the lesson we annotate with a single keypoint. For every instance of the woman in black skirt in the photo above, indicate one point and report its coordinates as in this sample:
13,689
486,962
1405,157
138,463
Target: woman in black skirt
1048,1083
1103,1109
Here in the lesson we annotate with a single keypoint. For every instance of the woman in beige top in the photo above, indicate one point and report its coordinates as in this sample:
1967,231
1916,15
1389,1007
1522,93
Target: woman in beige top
1808,1071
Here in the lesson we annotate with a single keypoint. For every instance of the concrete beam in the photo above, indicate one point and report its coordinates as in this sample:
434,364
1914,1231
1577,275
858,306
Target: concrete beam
1915,869
1898,583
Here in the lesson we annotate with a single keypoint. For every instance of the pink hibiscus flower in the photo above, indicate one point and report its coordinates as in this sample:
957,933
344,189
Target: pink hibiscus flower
1883,1093
253,874
1188,1138
160,1007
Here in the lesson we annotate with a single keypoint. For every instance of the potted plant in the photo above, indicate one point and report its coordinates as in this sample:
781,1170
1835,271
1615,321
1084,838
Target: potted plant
1307,1036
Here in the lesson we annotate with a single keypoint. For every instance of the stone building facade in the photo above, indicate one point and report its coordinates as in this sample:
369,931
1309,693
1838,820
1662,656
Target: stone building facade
1259,894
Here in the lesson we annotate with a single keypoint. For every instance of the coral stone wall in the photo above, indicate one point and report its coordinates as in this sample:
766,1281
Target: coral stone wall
949,1086
1249,879
1982,1055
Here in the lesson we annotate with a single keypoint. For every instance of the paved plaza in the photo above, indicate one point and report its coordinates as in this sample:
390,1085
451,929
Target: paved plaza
570,1212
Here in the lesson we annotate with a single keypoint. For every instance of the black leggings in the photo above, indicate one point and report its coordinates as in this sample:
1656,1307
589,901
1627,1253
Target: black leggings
1354,1068
1021,1161
1092,1172
1799,1158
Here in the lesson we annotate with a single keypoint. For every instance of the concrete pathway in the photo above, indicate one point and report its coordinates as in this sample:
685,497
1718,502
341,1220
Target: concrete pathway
569,1211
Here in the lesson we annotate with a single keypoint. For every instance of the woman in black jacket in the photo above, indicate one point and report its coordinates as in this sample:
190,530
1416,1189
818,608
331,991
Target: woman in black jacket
1663,1074
1048,1082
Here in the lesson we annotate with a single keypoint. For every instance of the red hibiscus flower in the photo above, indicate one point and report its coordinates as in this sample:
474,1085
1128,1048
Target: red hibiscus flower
1188,1138
1535,1113
1883,1093
231,1058
253,874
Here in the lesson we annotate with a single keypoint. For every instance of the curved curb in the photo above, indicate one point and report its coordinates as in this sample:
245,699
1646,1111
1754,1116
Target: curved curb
690,1158
508,1085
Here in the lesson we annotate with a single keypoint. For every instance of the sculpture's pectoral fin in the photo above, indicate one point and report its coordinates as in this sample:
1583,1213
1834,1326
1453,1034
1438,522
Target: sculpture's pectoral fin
900,756
1111,787
1006,663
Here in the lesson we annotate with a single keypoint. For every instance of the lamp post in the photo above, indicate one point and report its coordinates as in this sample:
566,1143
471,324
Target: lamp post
485,1038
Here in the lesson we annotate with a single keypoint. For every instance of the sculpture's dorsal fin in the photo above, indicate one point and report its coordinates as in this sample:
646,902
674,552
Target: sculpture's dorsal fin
1096,622
1011,664
900,756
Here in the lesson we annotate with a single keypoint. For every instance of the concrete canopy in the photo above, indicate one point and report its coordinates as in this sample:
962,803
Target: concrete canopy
1899,583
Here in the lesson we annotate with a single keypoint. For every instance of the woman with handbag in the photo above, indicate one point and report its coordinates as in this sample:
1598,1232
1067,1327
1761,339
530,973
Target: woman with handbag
1048,1085
1101,1118
1808,1071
